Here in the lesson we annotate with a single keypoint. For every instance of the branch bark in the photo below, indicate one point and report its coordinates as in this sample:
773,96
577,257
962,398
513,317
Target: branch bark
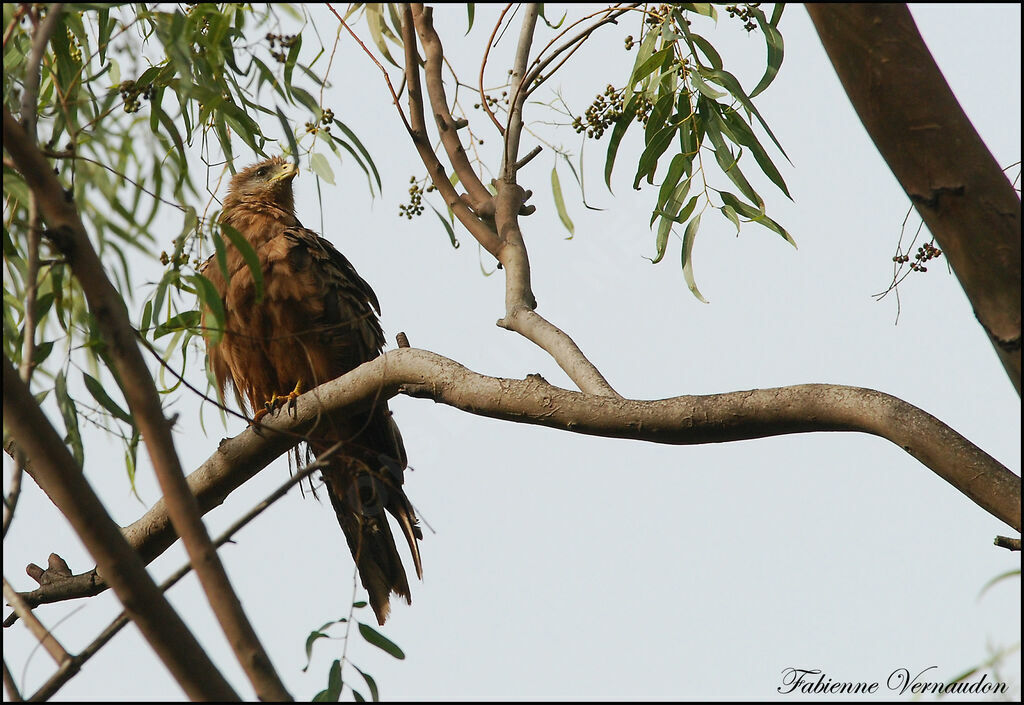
62,480
67,233
683,420
938,157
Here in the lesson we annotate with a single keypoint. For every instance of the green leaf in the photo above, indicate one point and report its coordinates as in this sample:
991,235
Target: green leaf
665,227
212,303
370,683
756,216
563,214
447,227
380,641
650,65
187,320
375,23
618,132
729,82
470,12
687,261
730,213
288,133
725,159
252,260
332,693
318,163
675,172
998,579
359,145
100,395
147,317
290,60
67,410
737,129
657,145
773,40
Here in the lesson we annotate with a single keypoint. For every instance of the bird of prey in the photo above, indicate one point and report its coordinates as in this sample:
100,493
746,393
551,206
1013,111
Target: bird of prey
316,320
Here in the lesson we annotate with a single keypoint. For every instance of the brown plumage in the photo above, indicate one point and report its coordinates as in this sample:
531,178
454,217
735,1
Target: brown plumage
317,320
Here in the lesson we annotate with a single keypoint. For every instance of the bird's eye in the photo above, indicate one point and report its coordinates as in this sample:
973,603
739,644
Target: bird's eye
262,171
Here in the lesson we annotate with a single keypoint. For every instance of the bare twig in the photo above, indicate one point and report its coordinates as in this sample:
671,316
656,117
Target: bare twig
387,78
41,633
56,472
68,234
535,78
483,65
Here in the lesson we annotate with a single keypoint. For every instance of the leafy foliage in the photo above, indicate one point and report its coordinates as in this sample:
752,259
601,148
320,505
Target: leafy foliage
681,93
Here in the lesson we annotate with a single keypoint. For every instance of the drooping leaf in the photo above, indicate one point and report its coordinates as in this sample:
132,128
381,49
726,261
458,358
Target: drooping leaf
332,693
252,260
563,214
70,414
687,260
447,227
100,395
380,641
370,683
618,132
319,164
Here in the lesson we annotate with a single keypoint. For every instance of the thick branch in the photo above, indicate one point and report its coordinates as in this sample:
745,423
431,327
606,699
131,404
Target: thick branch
68,234
480,230
938,157
57,474
684,420
433,53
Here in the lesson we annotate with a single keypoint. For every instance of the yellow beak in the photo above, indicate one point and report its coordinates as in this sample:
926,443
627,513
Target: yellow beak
288,171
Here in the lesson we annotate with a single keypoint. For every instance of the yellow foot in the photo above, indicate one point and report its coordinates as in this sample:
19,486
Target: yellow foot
276,402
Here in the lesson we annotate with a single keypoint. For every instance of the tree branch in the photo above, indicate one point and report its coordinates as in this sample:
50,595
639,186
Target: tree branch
480,230
41,633
938,157
514,125
683,420
62,480
433,53
67,233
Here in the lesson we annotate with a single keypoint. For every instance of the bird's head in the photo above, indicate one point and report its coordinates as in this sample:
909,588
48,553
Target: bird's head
266,183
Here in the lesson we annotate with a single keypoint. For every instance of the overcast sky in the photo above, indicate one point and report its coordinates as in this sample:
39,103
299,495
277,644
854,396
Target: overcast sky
559,566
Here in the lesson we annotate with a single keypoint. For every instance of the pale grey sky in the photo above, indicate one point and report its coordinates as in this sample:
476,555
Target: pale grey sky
567,567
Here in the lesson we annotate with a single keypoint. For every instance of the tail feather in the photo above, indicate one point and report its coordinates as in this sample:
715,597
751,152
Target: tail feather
360,491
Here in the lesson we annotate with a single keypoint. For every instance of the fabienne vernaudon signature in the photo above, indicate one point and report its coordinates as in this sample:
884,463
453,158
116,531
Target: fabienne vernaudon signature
903,681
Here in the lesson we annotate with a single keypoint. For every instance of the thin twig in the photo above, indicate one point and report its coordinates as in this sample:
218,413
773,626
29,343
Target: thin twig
483,65
41,633
387,78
